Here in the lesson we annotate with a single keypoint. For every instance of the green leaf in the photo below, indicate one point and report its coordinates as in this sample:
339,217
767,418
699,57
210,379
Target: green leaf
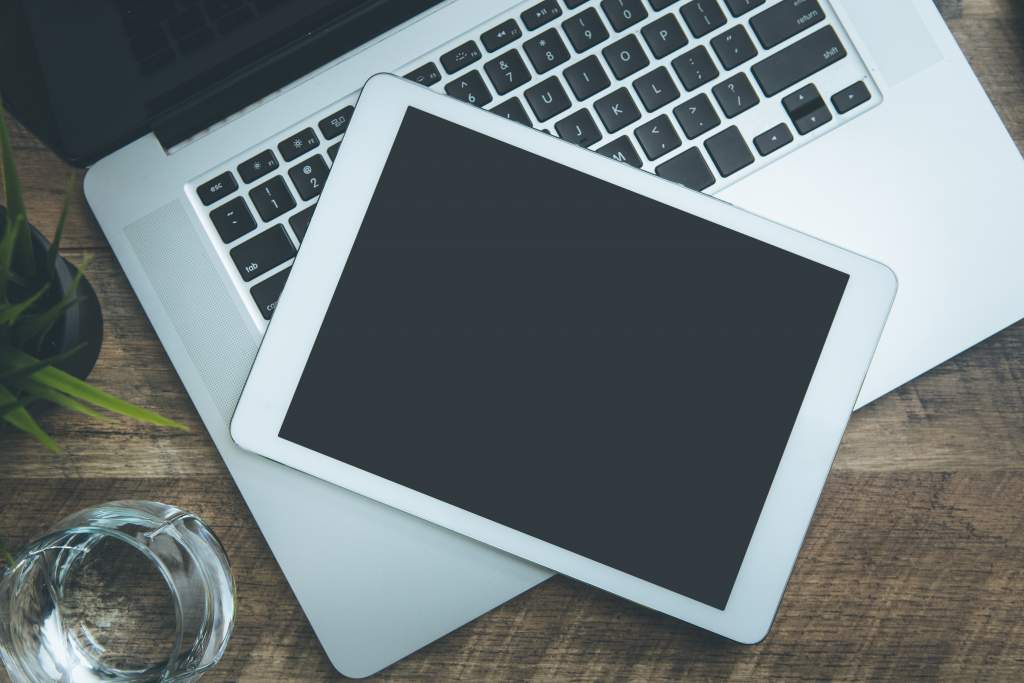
41,391
15,203
7,244
33,330
51,253
10,313
19,370
19,418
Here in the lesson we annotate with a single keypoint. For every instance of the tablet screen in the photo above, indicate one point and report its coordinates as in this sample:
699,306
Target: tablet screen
565,357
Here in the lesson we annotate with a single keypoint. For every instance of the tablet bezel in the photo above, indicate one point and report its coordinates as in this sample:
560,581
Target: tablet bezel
806,460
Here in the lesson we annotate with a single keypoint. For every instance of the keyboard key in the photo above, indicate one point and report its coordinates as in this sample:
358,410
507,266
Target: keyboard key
460,57
501,35
702,16
337,123
265,251
773,139
232,220
696,116
623,13
689,169
332,151
807,109
573,4
546,51
300,222
272,198
216,189
309,176
470,87
298,144
695,68
507,72
427,75
258,166
735,95
585,30
580,128
617,110
657,137
659,5
547,99
664,36
656,89
741,7
266,293
792,64
625,57
851,97
621,149
512,110
540,14
586,78
734,47
784,20
729,151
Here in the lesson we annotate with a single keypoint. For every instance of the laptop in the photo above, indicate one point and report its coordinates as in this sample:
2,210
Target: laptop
209,126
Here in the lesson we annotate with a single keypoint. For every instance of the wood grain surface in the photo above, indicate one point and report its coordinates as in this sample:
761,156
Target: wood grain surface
913,568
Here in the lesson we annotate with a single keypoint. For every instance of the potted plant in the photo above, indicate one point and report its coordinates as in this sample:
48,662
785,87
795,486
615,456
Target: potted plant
50,324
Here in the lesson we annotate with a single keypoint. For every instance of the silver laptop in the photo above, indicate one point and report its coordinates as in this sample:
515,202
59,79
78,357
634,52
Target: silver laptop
210,125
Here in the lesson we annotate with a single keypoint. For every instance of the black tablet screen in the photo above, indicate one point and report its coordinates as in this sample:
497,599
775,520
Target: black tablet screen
565,357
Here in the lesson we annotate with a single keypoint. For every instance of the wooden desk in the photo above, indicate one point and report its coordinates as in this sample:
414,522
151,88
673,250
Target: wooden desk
913,568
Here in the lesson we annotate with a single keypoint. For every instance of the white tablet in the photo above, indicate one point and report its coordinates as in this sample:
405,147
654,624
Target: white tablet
571,360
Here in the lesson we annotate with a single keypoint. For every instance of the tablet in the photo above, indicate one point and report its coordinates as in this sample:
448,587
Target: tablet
566,358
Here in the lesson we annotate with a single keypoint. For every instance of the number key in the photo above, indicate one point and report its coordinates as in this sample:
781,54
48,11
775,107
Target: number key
546,51
469,87
308,176
507,72
623,13
272,198
585,30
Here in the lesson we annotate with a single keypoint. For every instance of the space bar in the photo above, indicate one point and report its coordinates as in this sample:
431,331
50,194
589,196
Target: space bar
798,61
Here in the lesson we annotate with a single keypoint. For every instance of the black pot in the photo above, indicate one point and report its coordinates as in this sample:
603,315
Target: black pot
81,323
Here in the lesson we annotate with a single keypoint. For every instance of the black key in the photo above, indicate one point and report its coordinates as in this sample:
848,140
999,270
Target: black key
298,144
735,95
216,189
427,75
656,89
573,4
332,151
586,78
695,68
623,13
729,151
696,116
232,220
461,56
507,72
784,20
664,36
272,198
741,7
300,222
585,30
258,166
337,123
501,35
803,58
513,111
689,169
703,16
621,149
266,293
734,47
267,250
773,139
625,57
617,110
657,137
546,51
547,99
579,128
851,97
540,14
309,176
807,109
659,5
470,87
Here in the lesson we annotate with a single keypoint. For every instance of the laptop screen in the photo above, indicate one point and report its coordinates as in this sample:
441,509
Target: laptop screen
89,77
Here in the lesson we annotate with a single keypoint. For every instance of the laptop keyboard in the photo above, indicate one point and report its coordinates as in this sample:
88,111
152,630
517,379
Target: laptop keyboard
700,92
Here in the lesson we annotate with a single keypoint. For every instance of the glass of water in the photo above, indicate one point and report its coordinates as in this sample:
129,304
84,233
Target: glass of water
127,591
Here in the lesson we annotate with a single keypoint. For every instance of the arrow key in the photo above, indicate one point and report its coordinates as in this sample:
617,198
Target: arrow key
773,139
851,97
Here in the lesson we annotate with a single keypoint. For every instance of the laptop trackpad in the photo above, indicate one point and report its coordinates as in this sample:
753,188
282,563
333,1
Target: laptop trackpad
895,37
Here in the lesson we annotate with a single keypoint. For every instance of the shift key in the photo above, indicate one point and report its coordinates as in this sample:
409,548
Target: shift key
803,58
